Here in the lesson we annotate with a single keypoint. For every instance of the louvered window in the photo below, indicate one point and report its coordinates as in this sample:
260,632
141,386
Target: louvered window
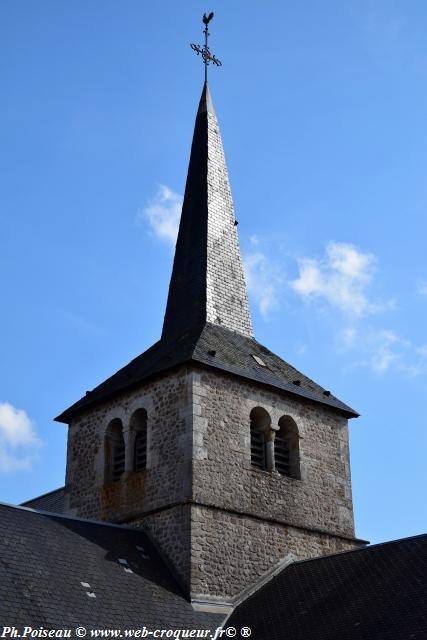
257,449
114,451
259,425
286,448
118,461
138,425
140,453
281,455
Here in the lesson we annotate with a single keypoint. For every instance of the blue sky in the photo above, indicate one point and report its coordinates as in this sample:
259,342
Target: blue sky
322,108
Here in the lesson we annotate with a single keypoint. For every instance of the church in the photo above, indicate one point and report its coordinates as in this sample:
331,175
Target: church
208,484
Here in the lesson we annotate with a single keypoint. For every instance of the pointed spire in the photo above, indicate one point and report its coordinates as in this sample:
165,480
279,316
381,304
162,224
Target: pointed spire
206,104
207,283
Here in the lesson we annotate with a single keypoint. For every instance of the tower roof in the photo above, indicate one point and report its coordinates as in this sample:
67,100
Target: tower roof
211,347
207,320
207,283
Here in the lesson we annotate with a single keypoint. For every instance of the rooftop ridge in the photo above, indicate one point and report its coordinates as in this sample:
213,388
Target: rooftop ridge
64,516
368,547
42,495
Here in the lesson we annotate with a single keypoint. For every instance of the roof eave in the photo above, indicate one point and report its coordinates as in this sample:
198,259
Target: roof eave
66,416
294,391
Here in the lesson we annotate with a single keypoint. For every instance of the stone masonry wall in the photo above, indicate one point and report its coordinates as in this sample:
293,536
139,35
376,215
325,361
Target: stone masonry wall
247,519
230,552
171,531
167,478
222,472
221,522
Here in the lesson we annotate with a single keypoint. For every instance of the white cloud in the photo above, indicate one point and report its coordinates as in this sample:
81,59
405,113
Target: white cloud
163,213
388,350
301,349
18,440
262,277
422,351
419,365
341,279
383,350
264,281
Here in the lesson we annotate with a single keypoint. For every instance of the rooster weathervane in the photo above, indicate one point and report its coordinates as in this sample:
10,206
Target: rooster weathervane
204,51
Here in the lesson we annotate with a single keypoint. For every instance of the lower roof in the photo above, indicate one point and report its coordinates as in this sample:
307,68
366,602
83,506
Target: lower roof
62,572
53,501
374,593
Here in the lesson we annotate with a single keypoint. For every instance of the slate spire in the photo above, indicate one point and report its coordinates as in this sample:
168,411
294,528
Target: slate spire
207,283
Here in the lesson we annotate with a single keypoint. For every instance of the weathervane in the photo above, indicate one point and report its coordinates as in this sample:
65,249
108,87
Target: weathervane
204,51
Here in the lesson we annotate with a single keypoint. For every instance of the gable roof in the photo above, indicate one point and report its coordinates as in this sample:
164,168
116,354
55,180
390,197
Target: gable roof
214,347
53,501
45,559
378,592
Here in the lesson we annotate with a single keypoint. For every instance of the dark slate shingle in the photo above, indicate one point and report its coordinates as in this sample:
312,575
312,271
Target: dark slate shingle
234,354
207,282
52,501
375,593
44,559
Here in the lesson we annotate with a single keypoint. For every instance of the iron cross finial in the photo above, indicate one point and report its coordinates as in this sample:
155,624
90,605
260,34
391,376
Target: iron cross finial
204,51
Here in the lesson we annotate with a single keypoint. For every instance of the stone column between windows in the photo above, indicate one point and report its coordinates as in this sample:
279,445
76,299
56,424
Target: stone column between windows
270,435
128,437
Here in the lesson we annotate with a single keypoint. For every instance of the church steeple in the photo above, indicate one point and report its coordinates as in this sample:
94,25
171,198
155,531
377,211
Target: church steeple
207,283
197,440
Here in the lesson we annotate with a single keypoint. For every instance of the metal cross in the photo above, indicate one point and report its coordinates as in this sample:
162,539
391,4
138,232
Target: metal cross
204,51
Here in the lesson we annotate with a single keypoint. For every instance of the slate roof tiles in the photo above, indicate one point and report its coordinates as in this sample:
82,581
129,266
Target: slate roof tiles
374,593
44,559
52,501
233,354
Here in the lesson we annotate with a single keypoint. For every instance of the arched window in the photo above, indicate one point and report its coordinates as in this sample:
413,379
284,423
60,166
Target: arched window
114,451
260,422
286,448
138,425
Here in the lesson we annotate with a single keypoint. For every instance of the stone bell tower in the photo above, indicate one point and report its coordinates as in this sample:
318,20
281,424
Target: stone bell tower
231,458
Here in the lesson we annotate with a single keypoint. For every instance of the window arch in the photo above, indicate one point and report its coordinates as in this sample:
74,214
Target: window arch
138,425
260,422
114,451
286,448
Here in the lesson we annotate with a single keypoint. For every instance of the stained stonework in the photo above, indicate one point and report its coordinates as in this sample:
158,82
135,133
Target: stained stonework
221,522
167,478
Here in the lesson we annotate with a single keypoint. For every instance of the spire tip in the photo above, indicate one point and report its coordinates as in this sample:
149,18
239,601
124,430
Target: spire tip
207,56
